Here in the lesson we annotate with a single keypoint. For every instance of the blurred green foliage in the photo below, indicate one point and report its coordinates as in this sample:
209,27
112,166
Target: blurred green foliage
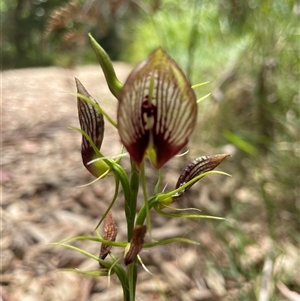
44,32
23,23
249,51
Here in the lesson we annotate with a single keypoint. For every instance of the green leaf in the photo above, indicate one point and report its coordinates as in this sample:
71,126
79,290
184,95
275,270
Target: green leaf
169,241
240,143
181,215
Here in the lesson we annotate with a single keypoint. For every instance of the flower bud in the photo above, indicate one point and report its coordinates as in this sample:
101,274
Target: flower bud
110,231
92,123
136,243
196,167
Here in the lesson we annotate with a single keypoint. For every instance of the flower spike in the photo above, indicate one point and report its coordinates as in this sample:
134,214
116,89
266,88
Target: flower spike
92,124
157,110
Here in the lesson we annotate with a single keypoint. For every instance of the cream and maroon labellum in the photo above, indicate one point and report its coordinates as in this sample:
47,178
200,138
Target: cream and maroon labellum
195,168
91,122
157,110
136,243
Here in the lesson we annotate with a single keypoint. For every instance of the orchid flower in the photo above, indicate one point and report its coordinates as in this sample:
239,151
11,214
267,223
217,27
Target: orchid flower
157,110
156,116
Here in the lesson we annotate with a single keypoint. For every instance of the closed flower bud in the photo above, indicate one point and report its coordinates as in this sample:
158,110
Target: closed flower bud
196,167
136,243
110,231
92,123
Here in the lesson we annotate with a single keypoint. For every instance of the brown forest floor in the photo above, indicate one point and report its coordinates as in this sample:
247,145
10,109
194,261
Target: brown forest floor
41,203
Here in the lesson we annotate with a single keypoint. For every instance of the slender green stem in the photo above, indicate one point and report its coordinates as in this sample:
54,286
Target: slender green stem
129,202
132,268
111,204
170,214
132,279
145,208
158,182
134,188
143,180
144,186
119,270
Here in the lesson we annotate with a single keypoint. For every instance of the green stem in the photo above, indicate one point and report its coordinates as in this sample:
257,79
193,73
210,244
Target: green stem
158,182
132,279
134,188
144,186
117,181
145,208
130,203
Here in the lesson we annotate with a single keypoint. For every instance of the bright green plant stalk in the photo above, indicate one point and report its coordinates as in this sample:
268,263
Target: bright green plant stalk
157,113
114,84
134,186
132,269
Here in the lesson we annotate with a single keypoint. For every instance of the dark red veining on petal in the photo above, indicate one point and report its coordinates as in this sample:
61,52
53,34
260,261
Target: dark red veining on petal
157,109
92,122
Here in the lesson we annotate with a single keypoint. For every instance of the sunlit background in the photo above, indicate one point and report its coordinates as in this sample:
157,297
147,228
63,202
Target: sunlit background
248,52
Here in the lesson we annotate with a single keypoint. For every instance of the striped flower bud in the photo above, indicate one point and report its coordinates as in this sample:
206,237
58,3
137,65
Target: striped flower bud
196,167
157,110
136,244
110,231
92,123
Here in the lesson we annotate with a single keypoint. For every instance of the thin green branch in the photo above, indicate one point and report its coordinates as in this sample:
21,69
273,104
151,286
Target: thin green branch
117,181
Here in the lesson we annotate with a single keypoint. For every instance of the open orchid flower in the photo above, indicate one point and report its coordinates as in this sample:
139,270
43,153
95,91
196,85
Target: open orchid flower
156,116
92,124
157,110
